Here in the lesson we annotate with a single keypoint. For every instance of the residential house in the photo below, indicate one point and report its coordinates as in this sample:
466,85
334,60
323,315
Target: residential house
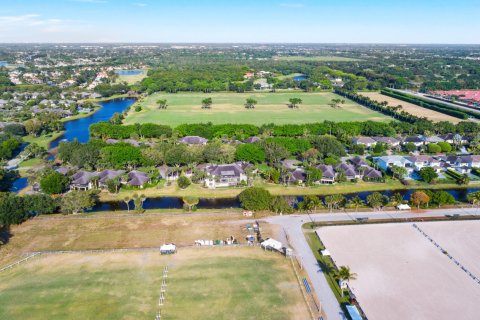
225,175
390,141
454,138
387,162
423,161
432,139
193,140
359,162
82,180
252,139
371,174
350,171
328,174
106,175
138,178
416,140
366,141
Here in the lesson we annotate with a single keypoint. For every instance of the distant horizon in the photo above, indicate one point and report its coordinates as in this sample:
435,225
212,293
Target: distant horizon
246,21
243,43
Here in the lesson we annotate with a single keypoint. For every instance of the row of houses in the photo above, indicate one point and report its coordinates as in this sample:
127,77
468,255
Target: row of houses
85,180
461,164
418,140
352,169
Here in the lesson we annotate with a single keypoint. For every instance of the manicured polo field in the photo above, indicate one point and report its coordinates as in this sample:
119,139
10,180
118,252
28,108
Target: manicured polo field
229,108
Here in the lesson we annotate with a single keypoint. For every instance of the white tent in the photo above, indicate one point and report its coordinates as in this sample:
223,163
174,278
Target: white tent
168,249
325,252
403,207
272,244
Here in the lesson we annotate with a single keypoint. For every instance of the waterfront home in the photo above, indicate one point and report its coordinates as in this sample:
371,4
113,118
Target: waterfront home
138,179
328,174
225,175
387,162
192,140
423,161
371,174
82,180
349,170
366,141
106,175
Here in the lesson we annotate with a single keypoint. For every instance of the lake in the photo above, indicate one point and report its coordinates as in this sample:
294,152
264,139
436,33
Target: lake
79,128
129,72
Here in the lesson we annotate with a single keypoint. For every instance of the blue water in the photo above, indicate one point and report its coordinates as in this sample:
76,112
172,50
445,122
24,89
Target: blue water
3,63
300,78
129,72
177,203
79,129
19,184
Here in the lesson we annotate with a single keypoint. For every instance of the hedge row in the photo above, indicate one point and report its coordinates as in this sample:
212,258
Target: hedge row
436,106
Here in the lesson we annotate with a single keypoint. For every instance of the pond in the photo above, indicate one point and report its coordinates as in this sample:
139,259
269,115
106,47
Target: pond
79,128
129,72
228,203
300,78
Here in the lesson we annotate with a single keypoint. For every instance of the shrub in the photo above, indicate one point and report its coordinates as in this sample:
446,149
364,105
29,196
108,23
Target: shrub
255,198
183,182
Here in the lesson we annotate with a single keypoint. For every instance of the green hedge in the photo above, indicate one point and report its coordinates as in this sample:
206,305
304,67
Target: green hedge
436,106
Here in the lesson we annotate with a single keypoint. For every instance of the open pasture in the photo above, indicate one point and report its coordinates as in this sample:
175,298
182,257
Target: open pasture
230,108
402,275
412,108
217,283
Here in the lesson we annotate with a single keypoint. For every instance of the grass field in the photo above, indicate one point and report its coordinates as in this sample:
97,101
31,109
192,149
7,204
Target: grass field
222,283
411,108
132,79
104,232
318,58
229,108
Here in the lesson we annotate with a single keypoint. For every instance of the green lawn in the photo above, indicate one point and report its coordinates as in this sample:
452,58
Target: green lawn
42,141
237,283
229,108
132,79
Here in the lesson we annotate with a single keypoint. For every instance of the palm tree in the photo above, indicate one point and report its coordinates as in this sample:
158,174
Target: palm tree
345,274
190,202
127,200
294,102
162,104
356,202
375,200
250,103
207,103
95,180
474,198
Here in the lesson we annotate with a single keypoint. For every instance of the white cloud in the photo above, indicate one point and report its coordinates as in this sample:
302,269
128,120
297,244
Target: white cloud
28,27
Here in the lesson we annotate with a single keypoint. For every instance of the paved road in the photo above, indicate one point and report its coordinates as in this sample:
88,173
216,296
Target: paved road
292,225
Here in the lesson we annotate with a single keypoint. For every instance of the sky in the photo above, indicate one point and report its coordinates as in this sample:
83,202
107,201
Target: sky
245,21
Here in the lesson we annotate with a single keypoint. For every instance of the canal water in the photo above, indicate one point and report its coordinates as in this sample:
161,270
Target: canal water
228,203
